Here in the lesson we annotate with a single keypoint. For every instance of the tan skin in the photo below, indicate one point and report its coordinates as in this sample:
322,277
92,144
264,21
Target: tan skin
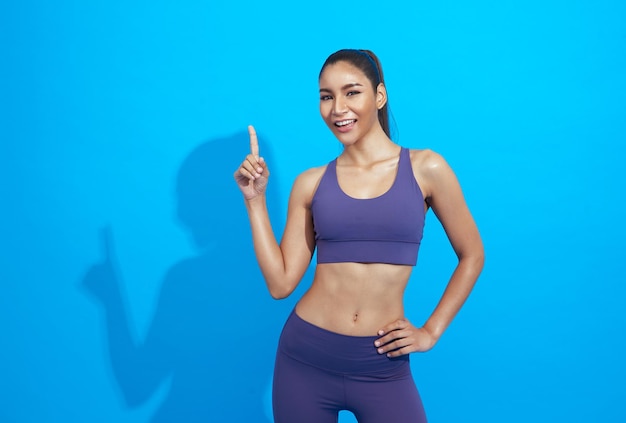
360,299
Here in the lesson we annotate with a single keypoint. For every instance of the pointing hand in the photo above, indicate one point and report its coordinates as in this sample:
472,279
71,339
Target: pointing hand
253,173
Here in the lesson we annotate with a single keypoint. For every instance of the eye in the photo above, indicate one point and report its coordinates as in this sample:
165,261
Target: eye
325,97
350,93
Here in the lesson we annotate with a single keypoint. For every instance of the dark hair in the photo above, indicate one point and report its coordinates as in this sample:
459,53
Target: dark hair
368,63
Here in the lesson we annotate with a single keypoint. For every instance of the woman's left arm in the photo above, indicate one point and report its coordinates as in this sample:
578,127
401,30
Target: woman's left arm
446,199
443,194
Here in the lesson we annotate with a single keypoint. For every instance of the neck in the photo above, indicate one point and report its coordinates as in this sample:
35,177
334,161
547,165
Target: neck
374,147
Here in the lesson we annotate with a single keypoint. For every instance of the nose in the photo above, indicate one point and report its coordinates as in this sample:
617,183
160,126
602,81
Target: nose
339,107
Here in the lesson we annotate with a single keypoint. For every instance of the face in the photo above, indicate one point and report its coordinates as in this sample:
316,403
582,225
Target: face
349,103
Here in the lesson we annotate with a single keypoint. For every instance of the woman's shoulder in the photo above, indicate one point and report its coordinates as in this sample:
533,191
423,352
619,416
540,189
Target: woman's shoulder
311,175
430,170
425,160
306,182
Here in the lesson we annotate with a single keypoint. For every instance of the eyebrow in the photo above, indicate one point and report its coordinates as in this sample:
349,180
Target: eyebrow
345,87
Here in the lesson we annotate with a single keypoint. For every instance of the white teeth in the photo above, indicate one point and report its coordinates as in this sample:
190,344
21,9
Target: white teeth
344,122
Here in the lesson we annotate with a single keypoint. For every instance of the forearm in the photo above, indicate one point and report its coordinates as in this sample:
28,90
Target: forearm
267,250
456,293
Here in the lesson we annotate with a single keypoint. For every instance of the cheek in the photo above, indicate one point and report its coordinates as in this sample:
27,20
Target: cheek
324,109
373,109
363,105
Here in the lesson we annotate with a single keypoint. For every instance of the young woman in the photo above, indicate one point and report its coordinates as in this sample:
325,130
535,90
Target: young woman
346,345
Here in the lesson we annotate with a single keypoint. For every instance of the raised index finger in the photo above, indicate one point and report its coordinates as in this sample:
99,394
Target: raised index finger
254,142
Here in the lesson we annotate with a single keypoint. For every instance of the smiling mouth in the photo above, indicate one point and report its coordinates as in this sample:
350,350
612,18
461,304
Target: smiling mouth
344,122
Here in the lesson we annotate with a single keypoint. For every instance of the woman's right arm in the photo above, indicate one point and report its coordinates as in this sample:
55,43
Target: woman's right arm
284,264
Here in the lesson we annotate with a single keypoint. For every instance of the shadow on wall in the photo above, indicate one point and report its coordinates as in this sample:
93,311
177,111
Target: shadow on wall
214,324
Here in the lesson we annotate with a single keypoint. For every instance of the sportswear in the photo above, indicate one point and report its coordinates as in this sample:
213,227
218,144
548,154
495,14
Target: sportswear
318,373
384,229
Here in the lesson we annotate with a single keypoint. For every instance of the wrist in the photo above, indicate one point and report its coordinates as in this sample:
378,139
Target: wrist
433,330
255,202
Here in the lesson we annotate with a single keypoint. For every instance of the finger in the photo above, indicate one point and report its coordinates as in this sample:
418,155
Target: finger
393,346
253,165
400,351
246,173
262,167
398,324
254,142
391,337
256,164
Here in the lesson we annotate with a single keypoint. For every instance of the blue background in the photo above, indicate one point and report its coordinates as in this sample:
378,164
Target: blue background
129,288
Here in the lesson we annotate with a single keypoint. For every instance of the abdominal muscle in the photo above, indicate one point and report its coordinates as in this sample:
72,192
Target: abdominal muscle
355,299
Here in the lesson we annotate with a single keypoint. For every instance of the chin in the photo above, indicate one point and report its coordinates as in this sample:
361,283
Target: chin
346,138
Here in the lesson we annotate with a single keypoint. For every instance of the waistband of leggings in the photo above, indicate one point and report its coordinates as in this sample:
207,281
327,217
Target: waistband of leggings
319,347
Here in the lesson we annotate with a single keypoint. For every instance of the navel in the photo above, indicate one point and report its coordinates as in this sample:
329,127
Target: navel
355,317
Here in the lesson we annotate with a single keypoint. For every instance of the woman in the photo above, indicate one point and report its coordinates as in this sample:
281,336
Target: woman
346,345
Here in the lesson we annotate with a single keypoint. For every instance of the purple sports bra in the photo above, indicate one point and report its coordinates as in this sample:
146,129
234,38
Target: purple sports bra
384,229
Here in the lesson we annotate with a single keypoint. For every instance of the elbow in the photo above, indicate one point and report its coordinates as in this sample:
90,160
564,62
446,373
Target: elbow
280,292
282,284
478,262
474,261
278,295
479,259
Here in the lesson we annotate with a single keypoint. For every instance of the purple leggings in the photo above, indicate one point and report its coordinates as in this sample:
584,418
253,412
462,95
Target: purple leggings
318,373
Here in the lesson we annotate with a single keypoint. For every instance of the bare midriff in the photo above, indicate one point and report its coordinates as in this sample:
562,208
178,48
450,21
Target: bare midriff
356,299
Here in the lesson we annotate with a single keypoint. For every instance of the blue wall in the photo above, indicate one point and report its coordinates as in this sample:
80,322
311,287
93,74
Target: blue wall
129,288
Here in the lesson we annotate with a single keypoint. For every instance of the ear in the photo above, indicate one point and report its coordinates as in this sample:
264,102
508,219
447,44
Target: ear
381,96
